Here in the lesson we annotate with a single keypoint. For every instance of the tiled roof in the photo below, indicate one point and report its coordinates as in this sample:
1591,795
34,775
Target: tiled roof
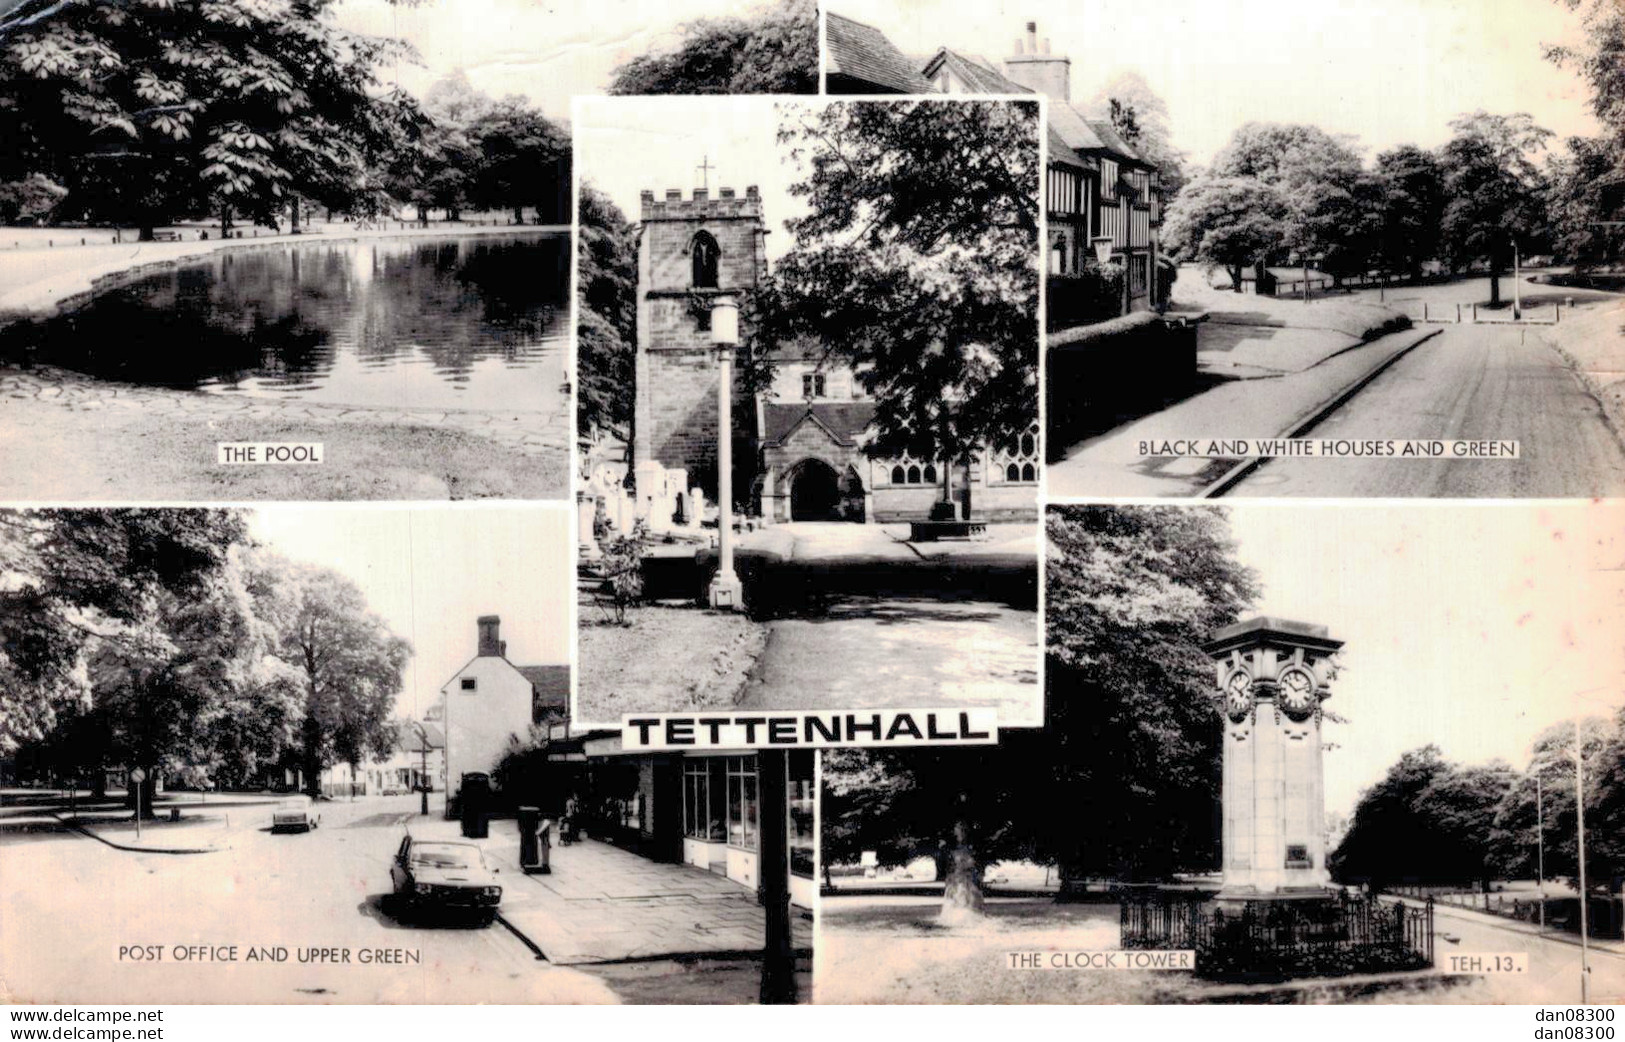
862,52
1073,128
1111,138
979,74
552,684
845,421
1060,152
409,736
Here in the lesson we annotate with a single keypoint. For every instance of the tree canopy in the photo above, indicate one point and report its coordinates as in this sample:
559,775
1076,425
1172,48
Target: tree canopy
149,108
606,323
917,264
1494,190
773,52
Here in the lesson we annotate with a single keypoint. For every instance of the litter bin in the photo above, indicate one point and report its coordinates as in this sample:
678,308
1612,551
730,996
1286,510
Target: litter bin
476,805
530,821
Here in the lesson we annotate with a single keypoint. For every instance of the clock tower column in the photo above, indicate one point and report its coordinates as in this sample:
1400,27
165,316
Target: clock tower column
1273,674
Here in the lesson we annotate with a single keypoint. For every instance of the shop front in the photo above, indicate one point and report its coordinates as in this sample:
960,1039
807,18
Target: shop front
702,809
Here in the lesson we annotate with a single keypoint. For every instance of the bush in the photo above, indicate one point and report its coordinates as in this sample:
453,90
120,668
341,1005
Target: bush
1092,295
623,570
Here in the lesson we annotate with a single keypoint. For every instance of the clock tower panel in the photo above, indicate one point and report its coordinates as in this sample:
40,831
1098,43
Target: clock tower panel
1273,676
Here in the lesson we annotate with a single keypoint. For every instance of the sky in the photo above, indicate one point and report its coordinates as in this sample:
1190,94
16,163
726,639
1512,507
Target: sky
624,145
547,50
1388,71
1472,627
431,571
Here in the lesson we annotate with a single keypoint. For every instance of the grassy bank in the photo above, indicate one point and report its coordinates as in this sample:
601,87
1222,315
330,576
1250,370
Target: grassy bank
667,660
77,441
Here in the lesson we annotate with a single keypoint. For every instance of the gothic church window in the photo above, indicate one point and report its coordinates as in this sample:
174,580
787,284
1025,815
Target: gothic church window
705,254
1016,461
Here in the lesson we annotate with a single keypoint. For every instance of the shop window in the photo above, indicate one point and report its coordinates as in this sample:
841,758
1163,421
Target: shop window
742,802
702,800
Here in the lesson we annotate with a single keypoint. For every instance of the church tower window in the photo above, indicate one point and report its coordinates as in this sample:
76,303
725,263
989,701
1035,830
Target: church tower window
705,253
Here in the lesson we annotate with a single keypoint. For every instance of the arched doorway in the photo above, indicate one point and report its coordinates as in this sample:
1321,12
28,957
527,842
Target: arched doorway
815,493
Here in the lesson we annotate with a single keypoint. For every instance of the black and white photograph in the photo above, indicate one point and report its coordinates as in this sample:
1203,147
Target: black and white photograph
1285,241
334,234
1266,748
862,279
321,754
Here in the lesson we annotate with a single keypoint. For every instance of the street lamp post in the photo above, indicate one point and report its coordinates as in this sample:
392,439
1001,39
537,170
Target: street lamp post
1517,280
726,591
1580,828
1540,851
423,765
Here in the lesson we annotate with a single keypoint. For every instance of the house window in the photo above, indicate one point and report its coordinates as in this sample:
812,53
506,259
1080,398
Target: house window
468,683
1016,461
742,802
812,385
705,254
1108,179
1057,256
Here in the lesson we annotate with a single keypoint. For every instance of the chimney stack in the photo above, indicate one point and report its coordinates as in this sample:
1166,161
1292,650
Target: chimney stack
1040,70
490,627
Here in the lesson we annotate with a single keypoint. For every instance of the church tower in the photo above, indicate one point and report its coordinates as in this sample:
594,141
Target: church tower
691,250
1274,674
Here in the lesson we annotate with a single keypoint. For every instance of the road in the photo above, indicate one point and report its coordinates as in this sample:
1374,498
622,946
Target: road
1554,965
1468,382
68,903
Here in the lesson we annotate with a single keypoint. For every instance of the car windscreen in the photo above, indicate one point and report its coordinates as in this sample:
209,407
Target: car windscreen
442,857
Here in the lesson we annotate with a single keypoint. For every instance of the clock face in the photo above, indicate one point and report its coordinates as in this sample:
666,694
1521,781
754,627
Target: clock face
1238,694
1297,692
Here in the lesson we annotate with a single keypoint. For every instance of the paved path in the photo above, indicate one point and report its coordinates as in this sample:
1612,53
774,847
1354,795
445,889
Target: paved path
1554,962
1113,465
854,652
1468,382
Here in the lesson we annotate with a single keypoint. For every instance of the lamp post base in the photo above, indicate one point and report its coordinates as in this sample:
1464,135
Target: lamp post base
727,592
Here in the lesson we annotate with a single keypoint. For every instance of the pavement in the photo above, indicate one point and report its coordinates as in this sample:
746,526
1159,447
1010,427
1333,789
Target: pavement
1113,464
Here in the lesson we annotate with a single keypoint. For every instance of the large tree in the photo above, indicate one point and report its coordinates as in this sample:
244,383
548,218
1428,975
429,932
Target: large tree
78,580
1585,202
1327,212
349,667
1234,223
1132,730
1141,116
606,324
916,266
1495,191
773,52
149,109
524,160
1411,187
1529,810
1427,821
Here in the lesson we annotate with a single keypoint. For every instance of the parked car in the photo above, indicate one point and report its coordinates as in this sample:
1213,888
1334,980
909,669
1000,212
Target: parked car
443,875
295,813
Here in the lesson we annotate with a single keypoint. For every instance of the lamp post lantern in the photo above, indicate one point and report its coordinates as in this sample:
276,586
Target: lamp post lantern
726,591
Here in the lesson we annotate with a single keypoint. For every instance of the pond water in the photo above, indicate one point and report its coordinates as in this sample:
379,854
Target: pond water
475,322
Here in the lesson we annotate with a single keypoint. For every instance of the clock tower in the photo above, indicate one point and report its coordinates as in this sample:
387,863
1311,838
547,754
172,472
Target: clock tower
1273,675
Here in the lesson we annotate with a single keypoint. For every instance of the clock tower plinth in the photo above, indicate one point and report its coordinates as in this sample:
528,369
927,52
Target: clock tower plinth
1273,674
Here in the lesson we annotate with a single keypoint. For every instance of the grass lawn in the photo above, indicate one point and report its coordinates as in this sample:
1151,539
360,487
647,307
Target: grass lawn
666,659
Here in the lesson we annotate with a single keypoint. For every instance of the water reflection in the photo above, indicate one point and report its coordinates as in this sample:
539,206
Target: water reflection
474,322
